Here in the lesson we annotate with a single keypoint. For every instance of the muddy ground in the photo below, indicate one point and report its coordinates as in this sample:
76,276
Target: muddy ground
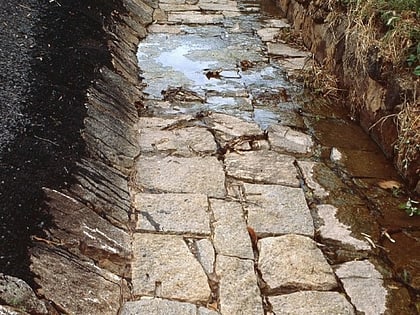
50,52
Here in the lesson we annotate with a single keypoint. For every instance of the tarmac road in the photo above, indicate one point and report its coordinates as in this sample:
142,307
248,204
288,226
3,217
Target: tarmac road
49,52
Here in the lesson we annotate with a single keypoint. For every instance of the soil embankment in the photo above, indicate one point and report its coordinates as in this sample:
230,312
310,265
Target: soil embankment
384,99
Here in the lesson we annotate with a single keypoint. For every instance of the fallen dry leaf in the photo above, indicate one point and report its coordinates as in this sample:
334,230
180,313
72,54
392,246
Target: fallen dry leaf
389,184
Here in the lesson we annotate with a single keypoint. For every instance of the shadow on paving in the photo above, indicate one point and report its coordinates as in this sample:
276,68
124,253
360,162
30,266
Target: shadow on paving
70,48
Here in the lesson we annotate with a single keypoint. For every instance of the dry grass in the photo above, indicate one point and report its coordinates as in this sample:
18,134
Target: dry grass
408,142
394,31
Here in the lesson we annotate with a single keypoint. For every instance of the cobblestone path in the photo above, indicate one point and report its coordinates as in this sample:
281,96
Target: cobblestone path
223,226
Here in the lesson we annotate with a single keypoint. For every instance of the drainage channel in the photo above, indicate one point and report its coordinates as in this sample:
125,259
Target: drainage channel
222,120
233,192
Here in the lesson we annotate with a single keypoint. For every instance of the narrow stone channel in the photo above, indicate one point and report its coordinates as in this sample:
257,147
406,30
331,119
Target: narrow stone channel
212,184
223,224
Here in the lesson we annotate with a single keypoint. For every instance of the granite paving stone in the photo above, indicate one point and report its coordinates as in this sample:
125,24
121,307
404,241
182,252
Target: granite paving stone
206,254
174,213
230,231
266,167
238,290
203,175
157,306
333,229
164,266
294,262
364,285
311,303
275,210
182,142
280,49
226,127
285,139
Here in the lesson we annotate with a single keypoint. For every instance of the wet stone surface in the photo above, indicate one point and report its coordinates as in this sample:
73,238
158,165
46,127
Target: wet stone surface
211,201
222,217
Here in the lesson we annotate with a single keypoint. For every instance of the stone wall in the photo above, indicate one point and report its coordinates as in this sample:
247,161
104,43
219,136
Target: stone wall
371,90
82,265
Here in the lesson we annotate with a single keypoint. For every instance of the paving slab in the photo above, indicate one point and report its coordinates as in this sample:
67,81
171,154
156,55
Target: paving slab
285,139
164,28
164,266
364,285
226,127
266,167
202,175
294,262
230,232
173,213
181,142
194,17
157,306
280,49
311,303
275,210
268,34
333,229
308,169
206,254
238,290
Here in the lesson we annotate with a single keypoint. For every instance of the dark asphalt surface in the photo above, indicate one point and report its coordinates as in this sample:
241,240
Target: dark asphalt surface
16,41
50,53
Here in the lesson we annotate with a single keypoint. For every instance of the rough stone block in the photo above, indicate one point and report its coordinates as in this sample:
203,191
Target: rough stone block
164,267
157,306
294,262
333,229
182,142
202,175
226,127
17,293
266,167
206,254
285,139
239,292
310,303
194,17
280,49
274,210
76,286
88,234
364,285
230,233
174,213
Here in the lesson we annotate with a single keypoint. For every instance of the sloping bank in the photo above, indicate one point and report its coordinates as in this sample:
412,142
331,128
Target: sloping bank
373,90
80,263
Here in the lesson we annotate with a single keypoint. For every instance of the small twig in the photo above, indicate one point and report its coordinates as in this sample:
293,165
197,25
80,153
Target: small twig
25,7
58,3
47,140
